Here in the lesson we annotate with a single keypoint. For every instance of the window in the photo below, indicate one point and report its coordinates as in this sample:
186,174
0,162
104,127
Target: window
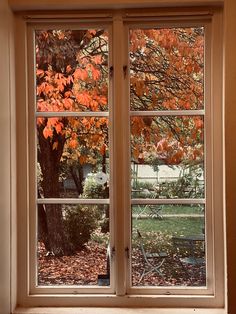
124,151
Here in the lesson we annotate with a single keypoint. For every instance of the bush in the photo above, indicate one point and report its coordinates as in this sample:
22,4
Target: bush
92,189
80,221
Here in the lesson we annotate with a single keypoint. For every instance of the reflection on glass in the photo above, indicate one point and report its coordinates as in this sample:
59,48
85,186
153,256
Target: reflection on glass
168,245
73,245
166,68
167,157
72,157
71,70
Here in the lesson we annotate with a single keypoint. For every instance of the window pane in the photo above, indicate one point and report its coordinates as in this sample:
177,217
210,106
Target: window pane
71,70
167,68
72,155
73,245
168,245
167,157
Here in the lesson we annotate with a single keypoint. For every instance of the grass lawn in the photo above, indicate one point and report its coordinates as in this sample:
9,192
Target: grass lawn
170,225
157,234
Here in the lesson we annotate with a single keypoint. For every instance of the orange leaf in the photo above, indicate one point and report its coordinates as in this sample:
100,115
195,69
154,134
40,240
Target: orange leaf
39,72
58,127
97,59
73,143
68,103
80,74
103,149
82,159
47,132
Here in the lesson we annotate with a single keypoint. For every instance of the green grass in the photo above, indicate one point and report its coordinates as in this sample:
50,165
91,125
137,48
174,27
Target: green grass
170,225
157,234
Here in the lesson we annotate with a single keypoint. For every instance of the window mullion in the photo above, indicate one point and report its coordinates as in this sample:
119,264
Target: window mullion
119,176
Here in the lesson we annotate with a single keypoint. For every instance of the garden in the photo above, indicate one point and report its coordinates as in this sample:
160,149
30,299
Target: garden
91,261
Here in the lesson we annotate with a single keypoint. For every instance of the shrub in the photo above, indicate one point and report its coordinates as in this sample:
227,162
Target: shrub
92,189
80,221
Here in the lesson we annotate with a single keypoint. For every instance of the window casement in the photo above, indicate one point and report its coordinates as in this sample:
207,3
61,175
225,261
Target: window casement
121,157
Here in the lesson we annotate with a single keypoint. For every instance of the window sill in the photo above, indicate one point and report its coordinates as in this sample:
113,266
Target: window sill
100,310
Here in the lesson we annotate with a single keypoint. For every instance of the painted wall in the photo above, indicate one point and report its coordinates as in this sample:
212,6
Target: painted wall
230,142
78,4
5,156
7,168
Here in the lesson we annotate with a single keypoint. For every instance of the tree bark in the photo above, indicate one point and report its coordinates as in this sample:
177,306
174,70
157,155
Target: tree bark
78,179
43,226
49,160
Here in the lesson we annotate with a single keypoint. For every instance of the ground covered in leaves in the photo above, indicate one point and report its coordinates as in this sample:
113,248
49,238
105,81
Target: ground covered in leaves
81,268
84,267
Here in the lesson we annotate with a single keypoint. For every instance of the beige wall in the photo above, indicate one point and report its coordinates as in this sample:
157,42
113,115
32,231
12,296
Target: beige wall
75,4
7,164
5,157
230,142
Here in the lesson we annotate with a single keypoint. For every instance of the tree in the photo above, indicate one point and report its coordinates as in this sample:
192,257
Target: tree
166,73
71,75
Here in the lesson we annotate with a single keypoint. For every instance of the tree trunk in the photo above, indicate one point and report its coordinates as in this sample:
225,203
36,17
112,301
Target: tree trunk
78,179
43,226
105,226
49,160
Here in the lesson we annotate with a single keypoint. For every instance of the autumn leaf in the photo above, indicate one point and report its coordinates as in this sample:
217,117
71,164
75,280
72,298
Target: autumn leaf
39,72
59,127
103,149
47,132
97,59
80,74
82,159
73,143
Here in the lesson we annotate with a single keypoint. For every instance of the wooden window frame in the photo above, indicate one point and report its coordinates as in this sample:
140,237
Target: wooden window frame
214,297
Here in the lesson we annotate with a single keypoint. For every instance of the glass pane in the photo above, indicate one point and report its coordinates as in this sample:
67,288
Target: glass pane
167,68
71,70
72,157
73,245
167,157
168,245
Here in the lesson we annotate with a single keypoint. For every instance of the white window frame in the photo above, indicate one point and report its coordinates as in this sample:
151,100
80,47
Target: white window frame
213,295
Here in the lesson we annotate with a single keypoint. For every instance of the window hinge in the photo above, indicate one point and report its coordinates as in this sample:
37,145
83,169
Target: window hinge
125,70
111,71
113,252
127,252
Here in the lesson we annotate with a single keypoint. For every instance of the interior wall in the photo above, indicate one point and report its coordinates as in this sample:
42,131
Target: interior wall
5,158
230,143
7,169
78,4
